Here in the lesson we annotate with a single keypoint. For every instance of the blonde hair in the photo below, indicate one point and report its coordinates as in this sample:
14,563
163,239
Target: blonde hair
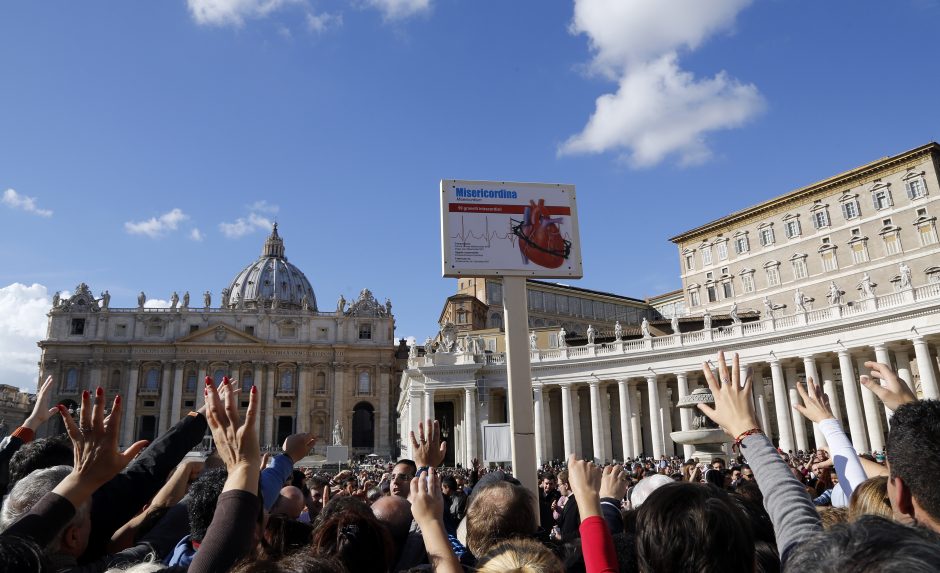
870,498
519,556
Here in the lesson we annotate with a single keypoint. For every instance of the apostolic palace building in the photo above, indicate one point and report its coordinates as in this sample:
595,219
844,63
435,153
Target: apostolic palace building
313,367
813,282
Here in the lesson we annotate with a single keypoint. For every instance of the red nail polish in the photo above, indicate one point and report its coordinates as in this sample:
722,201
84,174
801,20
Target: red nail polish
85,394
117,399
208,380
205,392
99,391
61,408
225,380
254,390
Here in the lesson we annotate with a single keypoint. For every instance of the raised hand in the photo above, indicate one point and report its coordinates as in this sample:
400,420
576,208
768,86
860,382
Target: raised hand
236,442
733,410
427,500
41,410
297,446
429,452
894,393
585,479
95,447
815,405
614,483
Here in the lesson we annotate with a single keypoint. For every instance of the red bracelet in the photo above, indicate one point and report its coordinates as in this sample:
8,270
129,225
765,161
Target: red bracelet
751,432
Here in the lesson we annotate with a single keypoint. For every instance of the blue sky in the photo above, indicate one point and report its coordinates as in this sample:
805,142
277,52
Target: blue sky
144,146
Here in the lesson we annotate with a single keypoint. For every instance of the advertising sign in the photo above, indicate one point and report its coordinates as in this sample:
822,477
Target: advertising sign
498,228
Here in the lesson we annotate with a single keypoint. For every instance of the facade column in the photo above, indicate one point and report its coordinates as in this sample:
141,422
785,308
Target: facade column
853,407
548,448
339,393
95,379
830,388
302,420
165,398
129,424
269,383
636,420
177,401
201,385
809,367
566,415
872,415
258,380
883,356
903,360
685,414
539,425
470,415
428,405
799,426
382,428
626,426
656,429
928,376
597,437
781,407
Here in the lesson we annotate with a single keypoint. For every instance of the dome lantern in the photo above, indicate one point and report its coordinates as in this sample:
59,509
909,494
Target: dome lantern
272,282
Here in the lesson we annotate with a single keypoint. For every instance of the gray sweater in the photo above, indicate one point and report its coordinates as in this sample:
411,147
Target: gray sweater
785,499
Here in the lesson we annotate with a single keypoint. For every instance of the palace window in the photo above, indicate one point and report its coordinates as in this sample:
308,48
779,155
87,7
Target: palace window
217,376
829,262
712,292
365,331
248,380
689,262
859,251
71,380
706,255
892,240
152,380
799,267
287,381
741,244
821,218
694,298
727,288
191,380
791,227
915,186
722,248
773,274
319,386
881,197
747,281
115,381
927,232
850,207
766,236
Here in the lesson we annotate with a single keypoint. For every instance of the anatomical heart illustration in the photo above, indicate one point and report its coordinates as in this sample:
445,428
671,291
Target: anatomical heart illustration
540,238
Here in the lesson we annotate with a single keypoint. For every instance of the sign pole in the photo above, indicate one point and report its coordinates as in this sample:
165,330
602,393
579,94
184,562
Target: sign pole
521,423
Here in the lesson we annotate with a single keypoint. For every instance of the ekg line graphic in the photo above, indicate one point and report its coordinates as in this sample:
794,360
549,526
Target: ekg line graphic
487,236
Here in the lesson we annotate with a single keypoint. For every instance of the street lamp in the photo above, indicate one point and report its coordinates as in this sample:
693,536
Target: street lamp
445,431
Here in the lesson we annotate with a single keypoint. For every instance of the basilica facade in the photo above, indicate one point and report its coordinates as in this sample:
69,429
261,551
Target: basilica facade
314,368
811,283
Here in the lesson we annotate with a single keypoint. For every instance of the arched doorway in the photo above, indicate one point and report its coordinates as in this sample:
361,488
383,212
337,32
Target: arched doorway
363,426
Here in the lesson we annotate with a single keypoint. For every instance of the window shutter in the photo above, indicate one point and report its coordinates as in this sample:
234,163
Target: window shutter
874,200
845,210
910,190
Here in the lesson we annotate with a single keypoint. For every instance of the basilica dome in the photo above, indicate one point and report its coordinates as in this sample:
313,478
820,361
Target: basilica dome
271,282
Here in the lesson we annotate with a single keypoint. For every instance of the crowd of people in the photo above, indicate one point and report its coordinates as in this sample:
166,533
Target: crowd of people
75,503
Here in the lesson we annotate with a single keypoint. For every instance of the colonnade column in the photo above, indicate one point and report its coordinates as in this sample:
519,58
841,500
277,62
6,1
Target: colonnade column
576,421
548,448
781,407
903,360
809,368
656,429
872,415
597,437
853,408
130,407
830,388
799,427
470,414
165,398
176,403
665,414
755,386
928,376
636,420
566,430
539,425
626,426
257,379
685,414
883,356
606,421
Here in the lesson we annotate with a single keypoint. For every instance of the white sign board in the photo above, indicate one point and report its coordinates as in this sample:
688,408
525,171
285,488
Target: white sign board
497,443
497,228
337,454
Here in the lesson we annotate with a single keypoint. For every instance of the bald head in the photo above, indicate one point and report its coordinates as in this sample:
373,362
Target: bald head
395,513
290,502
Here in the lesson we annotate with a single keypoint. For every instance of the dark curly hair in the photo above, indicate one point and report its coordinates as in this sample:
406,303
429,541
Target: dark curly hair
913,451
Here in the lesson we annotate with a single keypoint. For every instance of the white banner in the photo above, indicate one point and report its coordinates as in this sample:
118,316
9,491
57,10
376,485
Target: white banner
494,228
497,443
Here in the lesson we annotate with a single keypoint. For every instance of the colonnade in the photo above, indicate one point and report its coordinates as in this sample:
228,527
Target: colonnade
633,414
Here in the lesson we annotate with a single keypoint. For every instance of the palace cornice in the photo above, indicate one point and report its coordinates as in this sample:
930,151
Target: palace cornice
831,185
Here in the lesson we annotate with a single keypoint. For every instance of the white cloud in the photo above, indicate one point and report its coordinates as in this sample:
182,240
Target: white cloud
233,12
156,303
264,207
13,199
245,226
319,23
659,109
22,323
400,9
157,226
196,235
